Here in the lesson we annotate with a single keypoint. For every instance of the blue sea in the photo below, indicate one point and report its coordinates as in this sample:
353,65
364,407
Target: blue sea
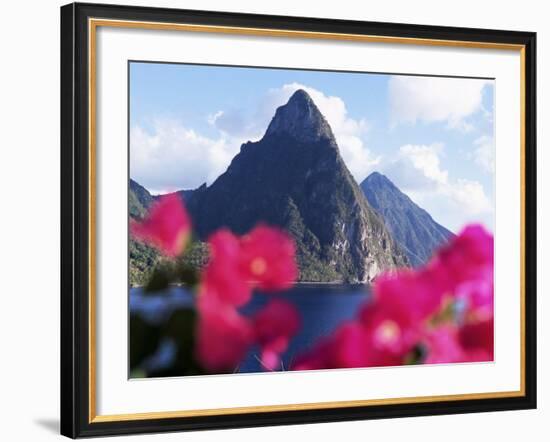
322,307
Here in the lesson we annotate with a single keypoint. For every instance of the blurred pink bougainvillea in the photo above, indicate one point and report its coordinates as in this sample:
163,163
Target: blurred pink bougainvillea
274,325
223,336
167,226
440,313
268,258
223,278
264,258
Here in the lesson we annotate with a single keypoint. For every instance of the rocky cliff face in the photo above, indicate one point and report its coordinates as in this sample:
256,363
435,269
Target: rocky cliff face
295,178
410,225
139,200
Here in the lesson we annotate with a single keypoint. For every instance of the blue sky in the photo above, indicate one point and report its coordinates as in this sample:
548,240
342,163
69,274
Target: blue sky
432,136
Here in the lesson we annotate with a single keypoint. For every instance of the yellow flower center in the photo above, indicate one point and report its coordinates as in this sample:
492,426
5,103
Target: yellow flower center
388,331
258,266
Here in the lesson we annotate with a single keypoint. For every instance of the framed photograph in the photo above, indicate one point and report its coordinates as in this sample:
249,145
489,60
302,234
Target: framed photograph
274,220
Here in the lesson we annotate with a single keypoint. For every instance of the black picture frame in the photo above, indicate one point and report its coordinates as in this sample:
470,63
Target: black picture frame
75,221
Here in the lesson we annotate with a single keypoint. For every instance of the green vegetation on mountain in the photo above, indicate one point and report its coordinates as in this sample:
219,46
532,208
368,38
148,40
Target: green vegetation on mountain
142,261
144,258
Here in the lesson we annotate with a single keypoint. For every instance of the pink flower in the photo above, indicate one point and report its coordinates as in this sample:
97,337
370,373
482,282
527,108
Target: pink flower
317,358
470,343
477,339
347,347
388,330
402,302
166,227
411,308
385,339
469,256
223,277
264,258
274,325
350,346
268,258
443,346
407,296
477,297
223,336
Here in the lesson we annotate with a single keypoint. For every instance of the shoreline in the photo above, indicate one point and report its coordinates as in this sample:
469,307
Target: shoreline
296,284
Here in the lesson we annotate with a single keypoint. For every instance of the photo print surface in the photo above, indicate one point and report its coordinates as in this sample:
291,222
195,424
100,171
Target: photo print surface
284,219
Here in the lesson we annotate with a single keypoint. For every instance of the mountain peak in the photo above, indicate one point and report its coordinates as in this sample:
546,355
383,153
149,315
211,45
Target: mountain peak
378,179
377,182
301,119
411,226
301,96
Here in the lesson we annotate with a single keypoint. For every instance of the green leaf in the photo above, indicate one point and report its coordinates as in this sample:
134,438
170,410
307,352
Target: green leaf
138,373
181,327
161,277
416,356
187,275
144,340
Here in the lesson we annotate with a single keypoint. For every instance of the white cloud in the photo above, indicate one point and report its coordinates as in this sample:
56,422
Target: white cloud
426,160
418,172
484,153
436,99
470,196
172,157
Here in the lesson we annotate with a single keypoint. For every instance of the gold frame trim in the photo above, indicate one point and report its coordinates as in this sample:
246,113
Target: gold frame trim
93,24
